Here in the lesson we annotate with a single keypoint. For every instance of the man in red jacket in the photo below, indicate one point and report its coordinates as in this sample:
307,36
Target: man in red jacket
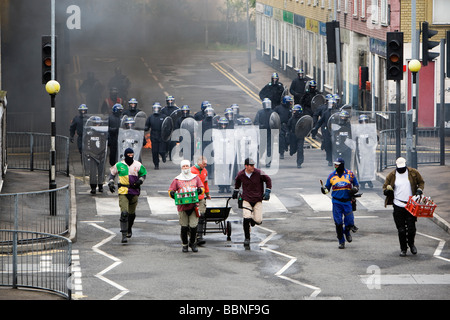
252,181
200,169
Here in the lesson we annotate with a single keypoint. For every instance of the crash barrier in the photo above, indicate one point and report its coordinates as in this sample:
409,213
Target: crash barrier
428,146
28,150
46,211
36,260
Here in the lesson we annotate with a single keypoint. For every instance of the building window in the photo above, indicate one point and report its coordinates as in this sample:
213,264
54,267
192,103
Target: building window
276,39
441,8
384,12
374,11
363,9
355,8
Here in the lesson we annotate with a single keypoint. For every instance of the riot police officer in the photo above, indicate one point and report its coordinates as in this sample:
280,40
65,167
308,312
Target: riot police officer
154,124
284,111
296,143
322,123
305,101
297,88
132,108
200,115
77,126
113,132
262,119
273,90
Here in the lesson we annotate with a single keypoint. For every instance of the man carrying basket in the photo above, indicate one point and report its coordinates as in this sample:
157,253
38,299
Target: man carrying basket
185,189
400,184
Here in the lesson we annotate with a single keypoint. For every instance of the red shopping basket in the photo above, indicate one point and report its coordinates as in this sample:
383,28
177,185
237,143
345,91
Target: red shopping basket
420,210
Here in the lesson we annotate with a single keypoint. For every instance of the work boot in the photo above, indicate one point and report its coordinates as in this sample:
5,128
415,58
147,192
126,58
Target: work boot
131,218
100,188
247,244
342,245
413,249
193,239
184,238
200,229
124,238
93,186
124,225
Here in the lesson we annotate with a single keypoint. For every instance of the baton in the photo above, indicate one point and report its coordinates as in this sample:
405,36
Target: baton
321,183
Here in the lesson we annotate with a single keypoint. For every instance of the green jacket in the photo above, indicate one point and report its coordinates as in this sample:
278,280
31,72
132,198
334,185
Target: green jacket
414,177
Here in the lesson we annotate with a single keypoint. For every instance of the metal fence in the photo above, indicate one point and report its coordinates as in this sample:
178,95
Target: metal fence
28,150
428,146
36,260
45,211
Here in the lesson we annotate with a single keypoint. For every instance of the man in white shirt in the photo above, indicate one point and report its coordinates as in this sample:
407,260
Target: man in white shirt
400,184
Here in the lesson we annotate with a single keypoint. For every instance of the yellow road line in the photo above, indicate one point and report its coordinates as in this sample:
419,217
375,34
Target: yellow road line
236,81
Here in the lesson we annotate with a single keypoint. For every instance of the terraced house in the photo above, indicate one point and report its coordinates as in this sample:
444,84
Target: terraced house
293,34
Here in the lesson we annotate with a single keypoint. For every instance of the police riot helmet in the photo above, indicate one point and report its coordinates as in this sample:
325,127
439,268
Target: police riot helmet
297,110
363,118
331,103
205,104
117,108
275,77
129,122
287,100
235,108
209,111
185,110
329,96
156,108
300,72
96,120
170,101
229,113
344,115
132,103
246,121
223,122
266,104
83,109
312,85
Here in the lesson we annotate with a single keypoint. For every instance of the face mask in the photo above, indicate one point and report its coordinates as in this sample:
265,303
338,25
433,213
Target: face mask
185,171
128,160
401,170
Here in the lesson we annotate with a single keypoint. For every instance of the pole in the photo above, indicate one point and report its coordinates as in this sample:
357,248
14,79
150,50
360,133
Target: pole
52,182
53,39
398,121
338,62
414,121
248,42
442,105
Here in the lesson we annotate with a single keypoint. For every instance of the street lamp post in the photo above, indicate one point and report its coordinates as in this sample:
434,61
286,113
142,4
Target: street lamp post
52,87
414,66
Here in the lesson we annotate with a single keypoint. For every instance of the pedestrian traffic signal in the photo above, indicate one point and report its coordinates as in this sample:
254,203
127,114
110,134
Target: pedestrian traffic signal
427,34
394,55
47,59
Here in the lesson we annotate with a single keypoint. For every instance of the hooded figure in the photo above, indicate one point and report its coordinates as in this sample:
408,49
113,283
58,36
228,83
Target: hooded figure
131,176
188,214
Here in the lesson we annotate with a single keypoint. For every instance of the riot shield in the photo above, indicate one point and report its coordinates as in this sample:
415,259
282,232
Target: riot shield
365,137
246,143
274,121
317,101
167,127
176,115
189,127
341,139
303,126
94,149
131,136
224,156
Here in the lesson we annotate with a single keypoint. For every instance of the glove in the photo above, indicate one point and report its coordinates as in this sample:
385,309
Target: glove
388,192
314,132
235,194
199,190
354,191
111,186
172,194
419,192
324,190
137,184
266,195
71,139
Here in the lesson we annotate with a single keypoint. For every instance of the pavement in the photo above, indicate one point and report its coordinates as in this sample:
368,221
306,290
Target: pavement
436,177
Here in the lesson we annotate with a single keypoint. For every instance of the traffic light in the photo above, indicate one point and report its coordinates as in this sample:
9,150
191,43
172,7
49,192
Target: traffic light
47,59
427,44
394,55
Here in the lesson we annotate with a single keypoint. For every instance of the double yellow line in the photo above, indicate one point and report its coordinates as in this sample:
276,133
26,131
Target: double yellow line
252,94
236,81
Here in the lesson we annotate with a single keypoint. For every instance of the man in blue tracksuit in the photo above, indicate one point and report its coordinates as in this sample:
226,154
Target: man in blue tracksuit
344,186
